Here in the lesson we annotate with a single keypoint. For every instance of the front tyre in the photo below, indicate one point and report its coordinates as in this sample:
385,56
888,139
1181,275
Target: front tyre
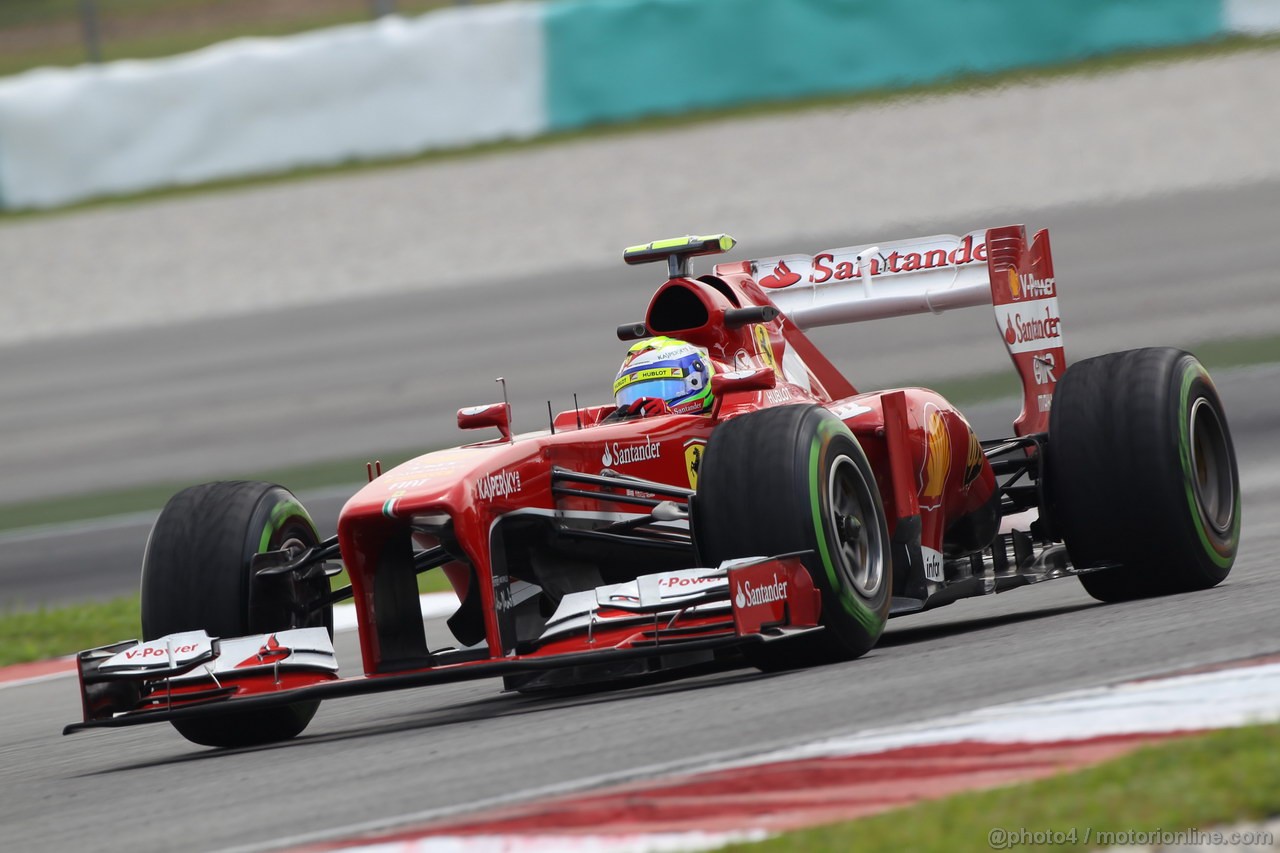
794,478
196,575
1142,474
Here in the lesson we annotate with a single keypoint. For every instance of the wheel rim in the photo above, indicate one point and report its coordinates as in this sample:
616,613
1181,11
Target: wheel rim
851,520
1213,480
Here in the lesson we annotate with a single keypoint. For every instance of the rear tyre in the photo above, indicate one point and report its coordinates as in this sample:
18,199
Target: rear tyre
1142,474
790,479
196,575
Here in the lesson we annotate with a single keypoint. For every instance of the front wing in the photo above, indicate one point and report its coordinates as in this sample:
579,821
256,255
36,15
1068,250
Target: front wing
192,674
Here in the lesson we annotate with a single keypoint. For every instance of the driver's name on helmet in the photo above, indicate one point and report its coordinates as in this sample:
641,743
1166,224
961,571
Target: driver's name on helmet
666,369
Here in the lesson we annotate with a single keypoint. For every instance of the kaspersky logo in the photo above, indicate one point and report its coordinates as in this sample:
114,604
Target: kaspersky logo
749,596
498,485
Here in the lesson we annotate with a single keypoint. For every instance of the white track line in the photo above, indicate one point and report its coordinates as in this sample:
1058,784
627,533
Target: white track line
1220,699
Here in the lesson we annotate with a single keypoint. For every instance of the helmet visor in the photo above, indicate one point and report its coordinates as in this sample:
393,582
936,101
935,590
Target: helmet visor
664,383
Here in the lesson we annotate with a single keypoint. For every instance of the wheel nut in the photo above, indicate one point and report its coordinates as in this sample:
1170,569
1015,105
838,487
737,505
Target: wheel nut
848,527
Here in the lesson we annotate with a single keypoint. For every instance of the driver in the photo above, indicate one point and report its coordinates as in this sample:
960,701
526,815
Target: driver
663,375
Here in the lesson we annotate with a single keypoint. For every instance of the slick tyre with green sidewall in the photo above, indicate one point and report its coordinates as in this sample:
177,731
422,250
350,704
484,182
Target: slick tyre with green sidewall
1142,474
196,575
794,478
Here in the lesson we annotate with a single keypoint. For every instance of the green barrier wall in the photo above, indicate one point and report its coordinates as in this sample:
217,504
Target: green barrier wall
612,60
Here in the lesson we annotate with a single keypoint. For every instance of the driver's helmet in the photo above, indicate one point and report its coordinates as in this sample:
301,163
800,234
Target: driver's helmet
666,369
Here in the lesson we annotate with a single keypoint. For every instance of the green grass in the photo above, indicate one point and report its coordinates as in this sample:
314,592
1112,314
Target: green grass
1215,355
431,581
152,496
53,632
967,390
1203,782
962,83
154,47
119,38
49,632
1238,352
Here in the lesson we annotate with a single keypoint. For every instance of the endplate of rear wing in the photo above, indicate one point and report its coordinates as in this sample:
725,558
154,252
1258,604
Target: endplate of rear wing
993,266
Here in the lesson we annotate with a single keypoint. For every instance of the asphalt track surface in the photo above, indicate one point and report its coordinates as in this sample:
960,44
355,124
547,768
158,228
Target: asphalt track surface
219,398
377,761
1196,266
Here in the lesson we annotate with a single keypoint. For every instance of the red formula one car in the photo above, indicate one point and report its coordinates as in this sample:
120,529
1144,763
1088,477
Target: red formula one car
785,523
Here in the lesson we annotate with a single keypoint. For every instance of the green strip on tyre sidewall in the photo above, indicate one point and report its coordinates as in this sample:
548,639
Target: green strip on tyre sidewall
1196,370
853,605
282,511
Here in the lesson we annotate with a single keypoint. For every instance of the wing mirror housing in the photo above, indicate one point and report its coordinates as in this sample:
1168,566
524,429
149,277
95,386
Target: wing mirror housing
490,415
736,318
757,379
632,332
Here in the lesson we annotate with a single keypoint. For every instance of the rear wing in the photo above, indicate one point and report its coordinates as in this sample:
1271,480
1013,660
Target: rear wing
995,266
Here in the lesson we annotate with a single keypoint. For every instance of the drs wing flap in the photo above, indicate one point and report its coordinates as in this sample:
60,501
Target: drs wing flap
878,280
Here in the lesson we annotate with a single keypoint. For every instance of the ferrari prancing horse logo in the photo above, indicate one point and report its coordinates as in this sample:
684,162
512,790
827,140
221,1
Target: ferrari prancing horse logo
764,347
693,450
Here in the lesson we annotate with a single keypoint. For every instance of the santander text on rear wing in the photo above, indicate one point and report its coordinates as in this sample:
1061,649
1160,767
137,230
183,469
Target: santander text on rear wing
995,266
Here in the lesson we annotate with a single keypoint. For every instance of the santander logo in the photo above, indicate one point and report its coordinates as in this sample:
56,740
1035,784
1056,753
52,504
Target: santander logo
782,277
1030,326
617,454
1033,328
749,596
839,265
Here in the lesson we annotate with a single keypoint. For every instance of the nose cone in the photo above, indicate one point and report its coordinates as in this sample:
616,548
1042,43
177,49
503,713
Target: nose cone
444,477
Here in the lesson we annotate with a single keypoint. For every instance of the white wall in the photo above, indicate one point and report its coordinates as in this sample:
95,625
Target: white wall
386,88
1251,17
454,77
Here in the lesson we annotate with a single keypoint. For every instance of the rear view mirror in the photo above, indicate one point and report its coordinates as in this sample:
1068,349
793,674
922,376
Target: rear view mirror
759,379
491,415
